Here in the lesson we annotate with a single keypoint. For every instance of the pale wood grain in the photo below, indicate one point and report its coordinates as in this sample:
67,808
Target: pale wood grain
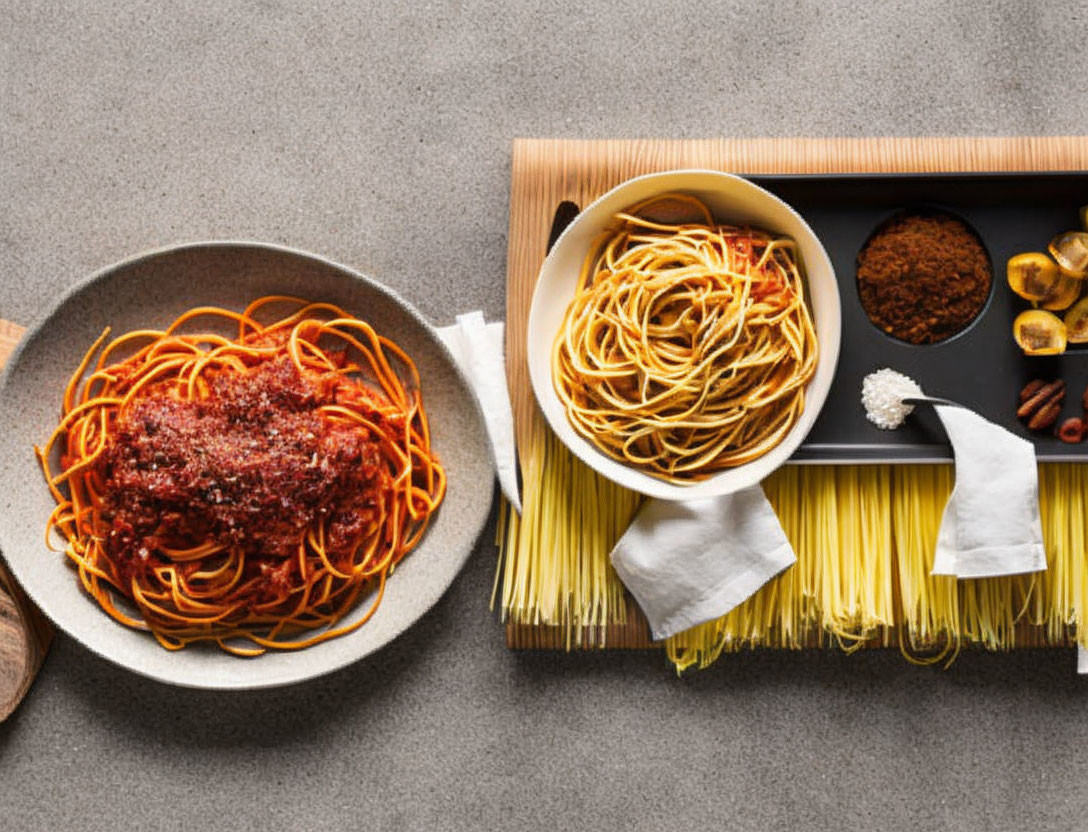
9,336
25,634
546,172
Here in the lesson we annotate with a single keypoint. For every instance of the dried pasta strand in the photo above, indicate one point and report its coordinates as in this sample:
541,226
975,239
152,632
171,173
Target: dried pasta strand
865,539
930,609
553,559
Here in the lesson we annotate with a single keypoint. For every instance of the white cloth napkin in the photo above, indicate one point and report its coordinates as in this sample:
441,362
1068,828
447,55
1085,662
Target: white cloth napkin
689,562
477,347
991,523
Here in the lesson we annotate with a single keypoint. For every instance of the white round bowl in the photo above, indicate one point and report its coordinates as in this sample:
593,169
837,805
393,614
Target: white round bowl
731,200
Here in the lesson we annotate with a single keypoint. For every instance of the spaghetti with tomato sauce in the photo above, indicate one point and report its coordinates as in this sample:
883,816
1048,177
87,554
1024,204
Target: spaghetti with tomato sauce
244,491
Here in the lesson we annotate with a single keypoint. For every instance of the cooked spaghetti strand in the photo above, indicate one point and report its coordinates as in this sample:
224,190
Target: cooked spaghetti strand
243,492
687,348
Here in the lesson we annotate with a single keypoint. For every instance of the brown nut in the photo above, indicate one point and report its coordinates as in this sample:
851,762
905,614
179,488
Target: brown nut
1072,430
1033,387
1045,416
1040,410
1041,403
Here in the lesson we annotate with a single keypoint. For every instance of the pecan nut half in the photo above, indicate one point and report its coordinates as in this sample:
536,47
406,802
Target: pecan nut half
1041,404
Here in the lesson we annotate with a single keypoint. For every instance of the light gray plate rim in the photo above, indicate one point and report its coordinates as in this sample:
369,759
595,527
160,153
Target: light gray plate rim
471,426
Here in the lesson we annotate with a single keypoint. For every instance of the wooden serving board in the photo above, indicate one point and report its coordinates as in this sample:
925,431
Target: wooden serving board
25,634
548,172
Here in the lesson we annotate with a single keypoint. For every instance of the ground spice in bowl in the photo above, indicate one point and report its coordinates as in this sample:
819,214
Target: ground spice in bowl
923,278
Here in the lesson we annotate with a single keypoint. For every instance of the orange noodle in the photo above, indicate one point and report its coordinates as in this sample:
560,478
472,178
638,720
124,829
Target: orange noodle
247,491
688,346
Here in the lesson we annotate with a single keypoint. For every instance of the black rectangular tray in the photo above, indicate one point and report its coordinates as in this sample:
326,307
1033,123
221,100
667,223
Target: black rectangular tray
981,367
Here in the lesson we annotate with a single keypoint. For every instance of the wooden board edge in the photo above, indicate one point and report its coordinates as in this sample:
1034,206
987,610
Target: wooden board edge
812,155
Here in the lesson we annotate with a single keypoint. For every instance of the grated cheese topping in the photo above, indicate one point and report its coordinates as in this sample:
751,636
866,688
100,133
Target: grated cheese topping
882,394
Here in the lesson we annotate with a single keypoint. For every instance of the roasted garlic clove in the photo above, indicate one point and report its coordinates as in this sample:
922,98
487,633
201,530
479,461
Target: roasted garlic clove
1039,332
1033,275
1070,252
1076,323
1063,295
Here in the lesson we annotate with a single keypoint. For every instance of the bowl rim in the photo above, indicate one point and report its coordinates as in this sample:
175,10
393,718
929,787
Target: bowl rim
291,673
828,327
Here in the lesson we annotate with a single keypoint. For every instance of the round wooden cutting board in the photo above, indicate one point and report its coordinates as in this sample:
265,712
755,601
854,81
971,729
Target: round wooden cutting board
25,634
24,639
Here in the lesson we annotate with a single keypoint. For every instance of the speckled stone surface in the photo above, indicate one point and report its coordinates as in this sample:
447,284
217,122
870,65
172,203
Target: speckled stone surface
379,136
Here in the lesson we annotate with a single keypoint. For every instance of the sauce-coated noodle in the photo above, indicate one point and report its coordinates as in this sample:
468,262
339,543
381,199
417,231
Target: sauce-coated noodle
244,491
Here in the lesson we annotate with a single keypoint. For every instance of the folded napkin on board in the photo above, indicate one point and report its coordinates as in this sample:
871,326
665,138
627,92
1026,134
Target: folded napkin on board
991,522
694,561
477,347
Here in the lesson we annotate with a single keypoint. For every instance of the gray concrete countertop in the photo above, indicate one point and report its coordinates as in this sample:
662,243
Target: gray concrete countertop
379,135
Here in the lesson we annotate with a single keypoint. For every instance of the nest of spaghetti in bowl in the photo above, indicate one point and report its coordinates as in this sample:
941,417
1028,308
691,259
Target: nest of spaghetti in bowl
684,333
259,465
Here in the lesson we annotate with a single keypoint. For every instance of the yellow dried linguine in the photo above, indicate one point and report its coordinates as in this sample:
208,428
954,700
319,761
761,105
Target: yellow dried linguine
865,540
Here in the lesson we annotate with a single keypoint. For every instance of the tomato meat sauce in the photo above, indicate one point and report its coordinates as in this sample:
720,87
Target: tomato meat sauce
250,462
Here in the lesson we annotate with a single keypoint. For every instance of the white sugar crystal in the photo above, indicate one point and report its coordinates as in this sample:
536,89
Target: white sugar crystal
882,394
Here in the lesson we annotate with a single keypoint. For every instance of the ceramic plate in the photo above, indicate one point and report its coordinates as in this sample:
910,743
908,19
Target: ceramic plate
149,291
732,200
